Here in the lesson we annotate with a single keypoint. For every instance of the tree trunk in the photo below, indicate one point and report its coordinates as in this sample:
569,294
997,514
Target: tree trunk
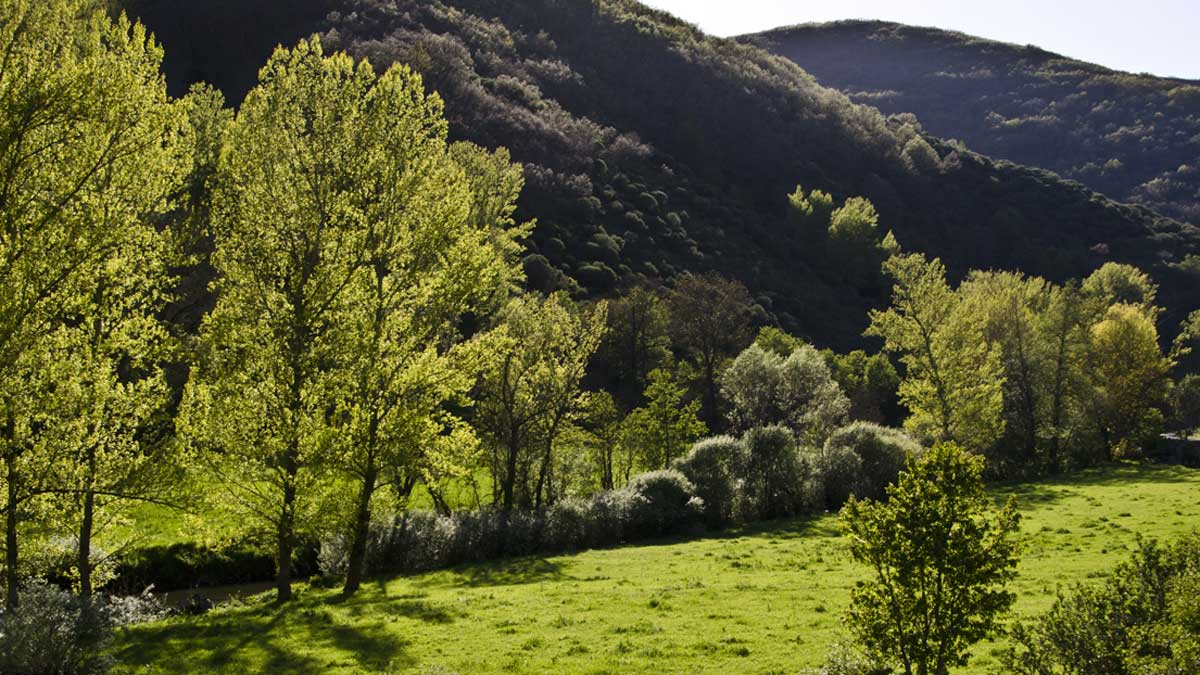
284,534
85,528
362,527
85,545
11,577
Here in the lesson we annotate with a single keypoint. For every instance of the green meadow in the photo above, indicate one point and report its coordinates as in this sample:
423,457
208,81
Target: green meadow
766,599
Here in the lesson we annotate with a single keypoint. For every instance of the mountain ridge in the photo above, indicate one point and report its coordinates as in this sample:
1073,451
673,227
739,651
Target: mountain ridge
651,149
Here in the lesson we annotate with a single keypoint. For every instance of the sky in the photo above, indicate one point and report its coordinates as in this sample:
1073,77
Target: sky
1151,36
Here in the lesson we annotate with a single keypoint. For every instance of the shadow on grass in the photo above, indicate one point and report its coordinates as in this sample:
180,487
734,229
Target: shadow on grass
1050,489
508,572
303,637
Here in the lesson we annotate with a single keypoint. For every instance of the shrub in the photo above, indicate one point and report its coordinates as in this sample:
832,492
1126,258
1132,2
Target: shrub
669,504
883,454
714,467
53,631
773,483
835,473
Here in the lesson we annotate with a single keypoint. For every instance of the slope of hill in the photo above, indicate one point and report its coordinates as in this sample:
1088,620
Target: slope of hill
652,149
1133,137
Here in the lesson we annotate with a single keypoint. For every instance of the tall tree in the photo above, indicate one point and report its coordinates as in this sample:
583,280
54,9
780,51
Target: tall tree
954,382
940,556
89,147
439,244
710,321
530,391
296,182
1130,379
636,342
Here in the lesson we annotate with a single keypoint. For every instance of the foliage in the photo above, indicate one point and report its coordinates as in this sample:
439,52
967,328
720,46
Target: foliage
774,477
1142,619
635,344
1131,379
883,454
798,391
92,151
53,631
954,379
940,557
710,322
870,382
1185,402
663,429
530,390
714,467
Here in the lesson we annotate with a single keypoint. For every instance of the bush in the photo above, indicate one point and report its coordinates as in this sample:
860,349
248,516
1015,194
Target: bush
773,483
714,467
54,632
883,453
669,504
835,473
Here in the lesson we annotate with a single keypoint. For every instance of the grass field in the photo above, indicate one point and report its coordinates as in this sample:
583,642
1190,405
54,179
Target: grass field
762,600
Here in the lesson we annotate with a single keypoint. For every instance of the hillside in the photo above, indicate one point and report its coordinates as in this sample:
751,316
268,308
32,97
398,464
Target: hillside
764,600
1133,137
652,149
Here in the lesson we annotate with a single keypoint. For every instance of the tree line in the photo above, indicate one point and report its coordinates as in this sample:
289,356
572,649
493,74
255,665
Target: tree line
366,332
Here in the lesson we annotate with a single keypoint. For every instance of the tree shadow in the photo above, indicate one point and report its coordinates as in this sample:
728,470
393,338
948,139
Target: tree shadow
1054,488
286,639
510,572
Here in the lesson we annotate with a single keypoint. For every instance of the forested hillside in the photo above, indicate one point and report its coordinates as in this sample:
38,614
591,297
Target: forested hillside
1133,137
651,149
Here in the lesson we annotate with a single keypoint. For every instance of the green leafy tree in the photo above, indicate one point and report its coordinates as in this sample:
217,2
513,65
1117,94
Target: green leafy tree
798,392
530,391
1115,283
940,557
90,147
298,180
438,243
635,343
1130,379
1186,347
667,426
776,341
710,322
954,382
870,382
1185,402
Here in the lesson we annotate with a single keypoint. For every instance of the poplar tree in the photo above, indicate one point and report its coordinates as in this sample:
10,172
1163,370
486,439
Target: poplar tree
90,148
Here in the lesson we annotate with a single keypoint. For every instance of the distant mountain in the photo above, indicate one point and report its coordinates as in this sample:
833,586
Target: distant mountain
651,149
1135,138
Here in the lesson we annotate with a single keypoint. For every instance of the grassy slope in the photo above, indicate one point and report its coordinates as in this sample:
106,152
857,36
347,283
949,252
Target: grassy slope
757,601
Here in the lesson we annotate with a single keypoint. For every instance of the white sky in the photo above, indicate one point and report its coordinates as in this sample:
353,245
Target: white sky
1153,36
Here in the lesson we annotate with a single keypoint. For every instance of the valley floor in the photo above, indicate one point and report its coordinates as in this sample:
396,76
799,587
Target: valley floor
761,600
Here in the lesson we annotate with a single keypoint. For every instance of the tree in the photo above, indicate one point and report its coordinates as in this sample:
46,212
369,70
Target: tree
530,390
90,147
612,460
667,426
870,382
1063,325
954,382
940,557
1186,348
1011,305
297,183
1130,378
710,321
1185,401
1115,283
798,392
635,343
438,243
777,342
111,396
